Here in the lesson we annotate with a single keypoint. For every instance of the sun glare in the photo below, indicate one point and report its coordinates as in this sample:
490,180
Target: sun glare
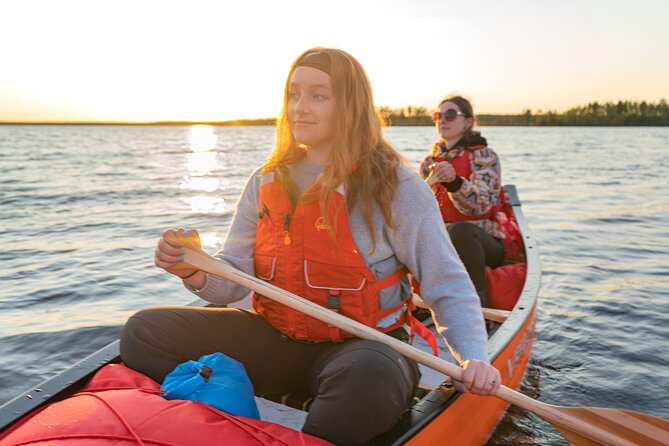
200,183
205,204
202,138
201,164
204,160
210,239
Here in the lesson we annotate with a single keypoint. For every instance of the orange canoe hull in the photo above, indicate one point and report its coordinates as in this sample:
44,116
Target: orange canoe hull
471,419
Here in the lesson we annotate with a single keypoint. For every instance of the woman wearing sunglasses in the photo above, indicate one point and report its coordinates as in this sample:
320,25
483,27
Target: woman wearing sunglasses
333,215
464,174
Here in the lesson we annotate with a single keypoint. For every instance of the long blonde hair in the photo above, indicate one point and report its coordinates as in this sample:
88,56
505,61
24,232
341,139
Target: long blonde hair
361,158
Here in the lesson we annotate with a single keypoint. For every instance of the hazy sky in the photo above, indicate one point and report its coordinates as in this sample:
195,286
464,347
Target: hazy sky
215,60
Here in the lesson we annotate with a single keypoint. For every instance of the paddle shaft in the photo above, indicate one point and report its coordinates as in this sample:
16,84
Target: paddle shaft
490,314
552,414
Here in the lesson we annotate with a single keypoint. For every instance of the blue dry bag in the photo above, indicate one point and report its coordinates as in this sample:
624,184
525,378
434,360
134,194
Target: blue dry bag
216,380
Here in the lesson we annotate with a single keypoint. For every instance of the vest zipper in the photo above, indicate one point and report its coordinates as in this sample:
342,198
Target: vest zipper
286,224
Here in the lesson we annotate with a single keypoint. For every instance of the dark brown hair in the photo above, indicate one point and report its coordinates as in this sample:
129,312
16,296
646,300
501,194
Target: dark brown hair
465,107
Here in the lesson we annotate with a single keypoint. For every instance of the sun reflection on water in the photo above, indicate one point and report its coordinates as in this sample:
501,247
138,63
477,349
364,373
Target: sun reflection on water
202,138
200,183
210,239
205,204
201,163
204,158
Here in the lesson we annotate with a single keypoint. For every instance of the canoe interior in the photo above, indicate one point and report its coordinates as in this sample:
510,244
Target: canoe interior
435,416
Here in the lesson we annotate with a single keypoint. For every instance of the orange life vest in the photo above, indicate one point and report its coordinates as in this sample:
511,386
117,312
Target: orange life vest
294,251
462,164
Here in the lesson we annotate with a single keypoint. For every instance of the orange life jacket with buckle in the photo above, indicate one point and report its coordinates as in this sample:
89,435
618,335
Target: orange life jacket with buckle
294,251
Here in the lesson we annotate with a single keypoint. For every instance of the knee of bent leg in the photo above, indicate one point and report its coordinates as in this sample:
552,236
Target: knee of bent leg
141,319
367,378
462,233
373,366
460,230
141,327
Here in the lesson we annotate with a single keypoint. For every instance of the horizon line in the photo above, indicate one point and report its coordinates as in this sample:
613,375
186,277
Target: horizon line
266,121
177,122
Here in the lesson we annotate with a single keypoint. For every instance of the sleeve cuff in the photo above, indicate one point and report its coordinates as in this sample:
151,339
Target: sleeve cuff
207,291
454,185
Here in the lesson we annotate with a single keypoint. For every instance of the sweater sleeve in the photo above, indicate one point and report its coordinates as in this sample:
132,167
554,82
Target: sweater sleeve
480,191
238,248
424,168
422,244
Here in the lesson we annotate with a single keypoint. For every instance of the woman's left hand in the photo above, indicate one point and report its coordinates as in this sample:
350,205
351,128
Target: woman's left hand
444,172
480,378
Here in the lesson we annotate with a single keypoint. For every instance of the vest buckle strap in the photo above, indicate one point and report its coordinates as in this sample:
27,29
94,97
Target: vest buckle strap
333,300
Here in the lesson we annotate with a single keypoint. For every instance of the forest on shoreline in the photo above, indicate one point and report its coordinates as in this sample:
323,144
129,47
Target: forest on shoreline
621,113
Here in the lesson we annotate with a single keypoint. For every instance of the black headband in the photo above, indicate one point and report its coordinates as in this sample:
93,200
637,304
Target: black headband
316,59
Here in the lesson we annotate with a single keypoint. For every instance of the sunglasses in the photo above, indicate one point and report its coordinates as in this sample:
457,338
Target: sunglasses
449,115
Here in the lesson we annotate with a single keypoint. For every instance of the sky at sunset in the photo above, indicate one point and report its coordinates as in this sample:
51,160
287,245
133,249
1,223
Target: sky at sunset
218,60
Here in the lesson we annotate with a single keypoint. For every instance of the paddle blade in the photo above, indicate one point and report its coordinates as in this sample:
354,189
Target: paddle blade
619,427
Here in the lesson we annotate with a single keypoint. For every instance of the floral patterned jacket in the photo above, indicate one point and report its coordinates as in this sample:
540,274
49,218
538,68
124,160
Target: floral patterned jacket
478,193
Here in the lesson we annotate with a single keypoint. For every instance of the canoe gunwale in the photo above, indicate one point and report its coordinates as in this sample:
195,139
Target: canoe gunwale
529,295
57,387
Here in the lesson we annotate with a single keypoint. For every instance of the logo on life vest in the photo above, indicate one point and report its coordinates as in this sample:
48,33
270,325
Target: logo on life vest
320,224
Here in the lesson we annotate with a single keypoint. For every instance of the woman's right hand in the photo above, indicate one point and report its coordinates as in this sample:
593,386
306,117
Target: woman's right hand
441,172
169,252
445,172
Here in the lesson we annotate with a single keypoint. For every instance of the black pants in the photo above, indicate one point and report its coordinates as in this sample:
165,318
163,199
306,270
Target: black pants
477,249
360,387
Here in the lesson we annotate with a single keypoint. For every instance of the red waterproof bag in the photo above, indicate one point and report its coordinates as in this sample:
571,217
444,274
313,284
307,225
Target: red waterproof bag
122,407
505,283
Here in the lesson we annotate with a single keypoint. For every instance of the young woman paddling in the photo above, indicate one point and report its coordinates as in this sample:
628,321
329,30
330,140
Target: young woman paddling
465,175
334,216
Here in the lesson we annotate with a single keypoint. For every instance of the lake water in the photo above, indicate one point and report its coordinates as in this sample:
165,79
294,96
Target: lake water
82,206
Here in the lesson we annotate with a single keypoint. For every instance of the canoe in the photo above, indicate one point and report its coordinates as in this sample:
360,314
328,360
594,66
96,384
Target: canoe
440,416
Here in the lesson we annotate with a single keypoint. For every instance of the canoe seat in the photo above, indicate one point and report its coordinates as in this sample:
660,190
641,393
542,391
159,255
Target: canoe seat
296,400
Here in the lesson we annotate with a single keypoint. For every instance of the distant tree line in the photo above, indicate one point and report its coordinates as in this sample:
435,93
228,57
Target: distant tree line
406,115
621,113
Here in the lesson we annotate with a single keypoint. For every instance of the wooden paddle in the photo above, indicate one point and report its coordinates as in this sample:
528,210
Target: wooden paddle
492,314
579,425
489,314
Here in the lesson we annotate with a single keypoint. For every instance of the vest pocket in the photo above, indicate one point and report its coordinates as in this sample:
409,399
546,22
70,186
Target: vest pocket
331,277
264,266
339,288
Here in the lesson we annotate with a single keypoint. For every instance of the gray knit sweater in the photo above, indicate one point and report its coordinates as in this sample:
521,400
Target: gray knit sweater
420,242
